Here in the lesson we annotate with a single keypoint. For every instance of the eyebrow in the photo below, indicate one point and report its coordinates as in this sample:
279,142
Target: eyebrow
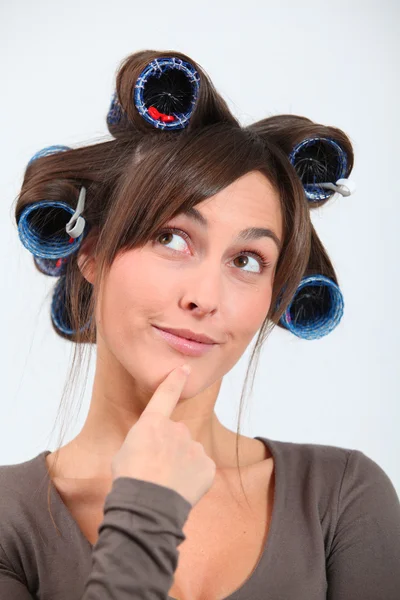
251,233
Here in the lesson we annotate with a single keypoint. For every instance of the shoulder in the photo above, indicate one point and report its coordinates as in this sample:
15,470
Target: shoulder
329,462
345,483
22,479
22,489
317,462
334,474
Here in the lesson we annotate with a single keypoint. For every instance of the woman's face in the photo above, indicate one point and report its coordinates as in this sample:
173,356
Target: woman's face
209,283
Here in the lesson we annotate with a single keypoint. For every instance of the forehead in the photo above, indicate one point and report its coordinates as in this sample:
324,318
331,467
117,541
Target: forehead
251,201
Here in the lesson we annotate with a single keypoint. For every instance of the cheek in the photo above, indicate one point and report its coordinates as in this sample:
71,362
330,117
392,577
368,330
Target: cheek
248,311
132,292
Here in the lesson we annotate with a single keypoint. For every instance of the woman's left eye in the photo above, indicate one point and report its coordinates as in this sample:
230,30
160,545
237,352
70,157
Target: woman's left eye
261,259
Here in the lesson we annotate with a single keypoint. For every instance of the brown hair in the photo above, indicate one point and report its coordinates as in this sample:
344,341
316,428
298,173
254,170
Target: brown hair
144,176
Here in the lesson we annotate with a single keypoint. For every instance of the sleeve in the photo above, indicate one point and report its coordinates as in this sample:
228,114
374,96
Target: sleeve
364,559
136,554
11,587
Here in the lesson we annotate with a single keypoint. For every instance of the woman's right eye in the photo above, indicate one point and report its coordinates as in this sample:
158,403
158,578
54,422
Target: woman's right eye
171,231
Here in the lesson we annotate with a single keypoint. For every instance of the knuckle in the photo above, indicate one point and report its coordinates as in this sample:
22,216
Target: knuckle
181,428
152,421
198,448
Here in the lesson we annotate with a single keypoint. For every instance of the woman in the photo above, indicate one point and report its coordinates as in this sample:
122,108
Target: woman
187,224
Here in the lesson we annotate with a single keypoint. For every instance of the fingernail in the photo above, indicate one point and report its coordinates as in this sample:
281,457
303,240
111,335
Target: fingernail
186,369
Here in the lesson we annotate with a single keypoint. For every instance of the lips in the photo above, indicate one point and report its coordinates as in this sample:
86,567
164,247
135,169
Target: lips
189,335
183,345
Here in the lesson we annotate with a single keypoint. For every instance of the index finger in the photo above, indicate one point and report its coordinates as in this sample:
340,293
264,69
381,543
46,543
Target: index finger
167,395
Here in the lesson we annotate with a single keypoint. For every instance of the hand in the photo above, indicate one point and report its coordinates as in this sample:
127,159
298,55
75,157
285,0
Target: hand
162,451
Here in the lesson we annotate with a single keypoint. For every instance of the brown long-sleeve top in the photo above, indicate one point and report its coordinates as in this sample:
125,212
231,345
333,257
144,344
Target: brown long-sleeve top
334,534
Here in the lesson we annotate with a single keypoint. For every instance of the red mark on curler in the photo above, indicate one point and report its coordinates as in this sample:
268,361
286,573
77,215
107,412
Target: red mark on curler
155,114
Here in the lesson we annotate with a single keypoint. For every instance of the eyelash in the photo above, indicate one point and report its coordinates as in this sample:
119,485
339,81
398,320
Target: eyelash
263,261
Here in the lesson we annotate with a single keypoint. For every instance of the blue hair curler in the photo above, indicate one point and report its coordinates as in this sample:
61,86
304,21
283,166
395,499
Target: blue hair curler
47,151
316,308
115,111
164,103
59,311
319,161
51,266
52,229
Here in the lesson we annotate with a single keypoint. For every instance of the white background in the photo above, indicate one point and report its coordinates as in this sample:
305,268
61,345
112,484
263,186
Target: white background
335,62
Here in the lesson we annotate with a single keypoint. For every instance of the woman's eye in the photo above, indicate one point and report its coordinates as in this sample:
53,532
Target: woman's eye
259,261
168,233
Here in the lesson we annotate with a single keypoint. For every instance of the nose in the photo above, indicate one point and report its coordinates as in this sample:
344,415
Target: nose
203,289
